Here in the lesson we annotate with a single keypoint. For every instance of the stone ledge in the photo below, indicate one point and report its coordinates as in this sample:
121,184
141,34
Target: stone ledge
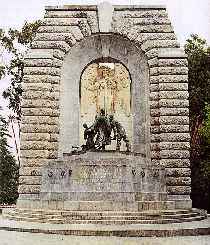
94,7
175,163
171,53
135,7
72,7
164,230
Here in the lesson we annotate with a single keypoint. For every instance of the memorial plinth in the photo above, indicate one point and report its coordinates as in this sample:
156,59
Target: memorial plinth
104,181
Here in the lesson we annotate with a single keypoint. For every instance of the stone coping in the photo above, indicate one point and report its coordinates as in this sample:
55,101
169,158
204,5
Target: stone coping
149,230
171,53
94,7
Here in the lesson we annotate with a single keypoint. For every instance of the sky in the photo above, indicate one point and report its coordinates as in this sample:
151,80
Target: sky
187,16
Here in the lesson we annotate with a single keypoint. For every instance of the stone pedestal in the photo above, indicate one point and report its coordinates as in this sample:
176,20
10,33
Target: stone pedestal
103,181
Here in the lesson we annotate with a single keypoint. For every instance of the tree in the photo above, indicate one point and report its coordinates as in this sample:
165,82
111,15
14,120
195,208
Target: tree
199,95
8,168
16,43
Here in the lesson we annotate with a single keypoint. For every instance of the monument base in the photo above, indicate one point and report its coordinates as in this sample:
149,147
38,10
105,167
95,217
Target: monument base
102,181
103,188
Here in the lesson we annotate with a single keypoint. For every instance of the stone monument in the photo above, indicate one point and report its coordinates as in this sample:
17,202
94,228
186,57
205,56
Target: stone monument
151,103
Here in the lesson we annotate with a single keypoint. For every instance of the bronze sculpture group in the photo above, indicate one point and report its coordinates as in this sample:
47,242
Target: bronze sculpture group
98,135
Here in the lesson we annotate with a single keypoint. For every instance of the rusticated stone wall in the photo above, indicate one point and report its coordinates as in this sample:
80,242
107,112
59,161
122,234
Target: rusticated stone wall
149,29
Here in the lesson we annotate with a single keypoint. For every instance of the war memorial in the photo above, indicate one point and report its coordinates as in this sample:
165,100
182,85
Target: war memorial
105,127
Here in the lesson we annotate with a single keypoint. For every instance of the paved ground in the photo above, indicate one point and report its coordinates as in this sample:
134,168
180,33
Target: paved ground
20,238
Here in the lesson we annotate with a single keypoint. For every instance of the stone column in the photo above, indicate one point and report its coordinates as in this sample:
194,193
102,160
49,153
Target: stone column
174,124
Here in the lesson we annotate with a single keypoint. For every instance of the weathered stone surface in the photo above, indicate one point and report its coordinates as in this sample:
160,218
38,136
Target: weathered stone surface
154,71
39,120
53,154
173,62
29,180
39,128
181,190
174,95
59,54
51,137
154,121
41,86
155,137
30,171
153,36
33,162
174,154
154,95
43,62
40,104
40,79
40,112
142,13
93,22
150,44
75,31
153,63
85,28
37,145
155,112
155,154
62,45
178,172
39,54
175,163
142,28
42,71
174,145
173,86
55,29
34,153
66,14
154,87
173,137
174,53
48,95
60,21
169,128
29,189
152,53
174,128
155,146
173,103
174,111
152,21
170,112
172,78
173,70
179,120
155,129
173,181
154,104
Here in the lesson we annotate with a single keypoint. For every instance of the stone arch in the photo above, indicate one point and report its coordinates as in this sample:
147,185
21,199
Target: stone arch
147,27
83,53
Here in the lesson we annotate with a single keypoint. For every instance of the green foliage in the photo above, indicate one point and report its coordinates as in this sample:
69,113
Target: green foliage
199,74
16,43
205,130
199,95
8,168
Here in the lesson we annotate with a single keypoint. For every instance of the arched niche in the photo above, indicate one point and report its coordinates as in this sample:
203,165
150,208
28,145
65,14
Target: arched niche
106,84
98,47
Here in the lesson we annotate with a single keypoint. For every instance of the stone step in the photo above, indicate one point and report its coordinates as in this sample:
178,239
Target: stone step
98,213
104,216
106,222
